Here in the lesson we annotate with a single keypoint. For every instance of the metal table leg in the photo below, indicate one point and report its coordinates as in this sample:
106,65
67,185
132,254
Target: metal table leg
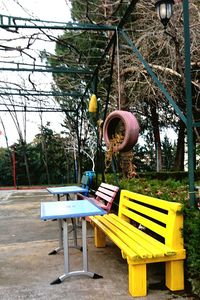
56,250
74,229
67,272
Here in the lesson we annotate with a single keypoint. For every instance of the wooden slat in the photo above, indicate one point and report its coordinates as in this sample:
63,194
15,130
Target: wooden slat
110,187
154,214
126,239
104,197
130,253
163,204
106,191
140,236
136,241
145,222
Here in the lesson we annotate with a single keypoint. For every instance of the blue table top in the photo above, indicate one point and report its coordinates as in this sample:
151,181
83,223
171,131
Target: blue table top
67,190
69,209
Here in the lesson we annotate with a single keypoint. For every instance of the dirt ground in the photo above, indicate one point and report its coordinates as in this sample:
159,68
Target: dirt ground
26,269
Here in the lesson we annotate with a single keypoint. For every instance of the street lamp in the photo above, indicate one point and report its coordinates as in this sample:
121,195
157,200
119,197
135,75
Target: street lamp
164,10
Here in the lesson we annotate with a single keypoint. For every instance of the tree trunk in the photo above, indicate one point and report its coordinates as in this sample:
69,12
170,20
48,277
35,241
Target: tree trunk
179,157
6,137
156,134
27,167
45,160
23,145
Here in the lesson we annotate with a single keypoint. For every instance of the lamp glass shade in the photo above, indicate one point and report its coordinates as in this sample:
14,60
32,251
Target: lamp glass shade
169,9
164,10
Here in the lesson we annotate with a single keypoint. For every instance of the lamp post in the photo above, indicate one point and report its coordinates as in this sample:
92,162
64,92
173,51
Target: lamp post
164,10
13,156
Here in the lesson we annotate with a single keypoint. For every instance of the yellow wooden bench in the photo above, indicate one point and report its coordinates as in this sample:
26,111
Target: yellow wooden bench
160,241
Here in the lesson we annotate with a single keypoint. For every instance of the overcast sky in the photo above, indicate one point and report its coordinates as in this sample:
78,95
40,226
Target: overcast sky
41,9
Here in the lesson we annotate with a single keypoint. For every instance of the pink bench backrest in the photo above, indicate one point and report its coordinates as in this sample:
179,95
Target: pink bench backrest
106,194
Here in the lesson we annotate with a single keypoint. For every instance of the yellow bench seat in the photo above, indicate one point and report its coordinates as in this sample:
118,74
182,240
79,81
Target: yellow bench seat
161,241
132,241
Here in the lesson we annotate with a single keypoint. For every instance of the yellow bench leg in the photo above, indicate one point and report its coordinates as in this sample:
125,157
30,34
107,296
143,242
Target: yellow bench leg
174,273
137,280
99,238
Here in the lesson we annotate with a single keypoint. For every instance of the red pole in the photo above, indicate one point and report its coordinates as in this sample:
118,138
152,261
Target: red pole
14,169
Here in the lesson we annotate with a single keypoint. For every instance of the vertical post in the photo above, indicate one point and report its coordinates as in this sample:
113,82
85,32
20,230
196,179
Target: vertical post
157,160
188,93
14,168
75,166
84,245
66,247
95,83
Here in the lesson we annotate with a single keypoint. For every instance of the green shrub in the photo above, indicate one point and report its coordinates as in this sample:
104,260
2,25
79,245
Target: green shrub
191,234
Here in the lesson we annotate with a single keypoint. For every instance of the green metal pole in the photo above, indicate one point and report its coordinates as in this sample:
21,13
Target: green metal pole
188,94
9,22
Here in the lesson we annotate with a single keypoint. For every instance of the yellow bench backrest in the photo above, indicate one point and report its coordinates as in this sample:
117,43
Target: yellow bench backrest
162,218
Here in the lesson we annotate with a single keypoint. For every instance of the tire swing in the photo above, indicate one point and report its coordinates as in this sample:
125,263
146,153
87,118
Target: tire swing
122,125
120,132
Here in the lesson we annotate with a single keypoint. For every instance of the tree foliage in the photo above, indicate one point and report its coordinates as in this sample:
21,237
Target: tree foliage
49,160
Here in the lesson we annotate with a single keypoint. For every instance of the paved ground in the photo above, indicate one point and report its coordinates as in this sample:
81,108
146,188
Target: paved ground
26,269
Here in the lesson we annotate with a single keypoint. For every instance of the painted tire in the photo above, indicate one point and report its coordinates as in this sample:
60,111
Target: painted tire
124,121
